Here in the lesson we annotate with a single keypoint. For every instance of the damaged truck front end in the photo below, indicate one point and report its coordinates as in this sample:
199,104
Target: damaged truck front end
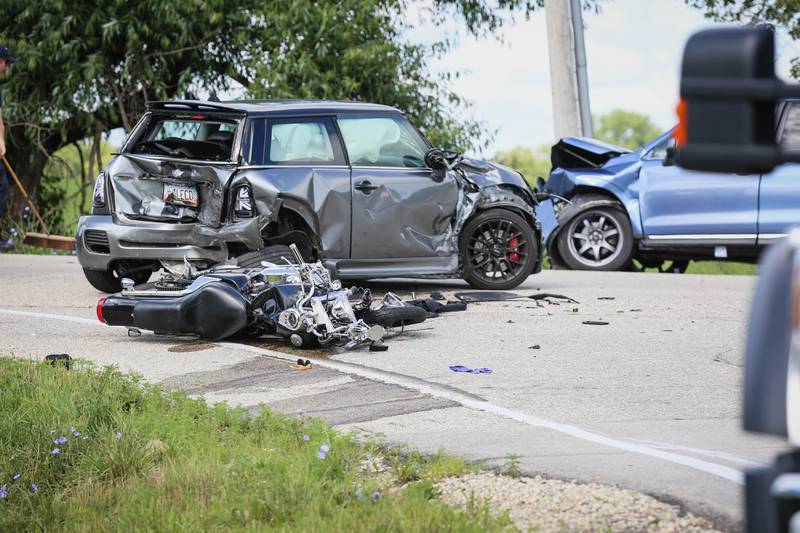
354,186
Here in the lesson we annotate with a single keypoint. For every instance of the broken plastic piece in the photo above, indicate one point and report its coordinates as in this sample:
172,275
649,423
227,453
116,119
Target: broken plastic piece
487,296
534,347
548,296
595,322
436,295
378,347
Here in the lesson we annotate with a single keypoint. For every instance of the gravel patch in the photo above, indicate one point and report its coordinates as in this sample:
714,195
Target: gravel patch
541,504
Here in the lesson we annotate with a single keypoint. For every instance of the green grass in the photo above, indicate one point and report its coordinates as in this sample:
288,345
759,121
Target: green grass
722,268
180,464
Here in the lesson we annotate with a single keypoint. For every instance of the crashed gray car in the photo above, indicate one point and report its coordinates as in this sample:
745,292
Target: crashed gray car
353,185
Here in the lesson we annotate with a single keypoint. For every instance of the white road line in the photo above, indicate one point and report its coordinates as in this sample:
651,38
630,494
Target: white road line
467,401
738,459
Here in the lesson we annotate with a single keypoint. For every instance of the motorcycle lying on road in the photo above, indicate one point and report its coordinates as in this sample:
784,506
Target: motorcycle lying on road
298,301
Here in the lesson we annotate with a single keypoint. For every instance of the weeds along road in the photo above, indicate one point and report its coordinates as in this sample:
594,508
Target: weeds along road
650,401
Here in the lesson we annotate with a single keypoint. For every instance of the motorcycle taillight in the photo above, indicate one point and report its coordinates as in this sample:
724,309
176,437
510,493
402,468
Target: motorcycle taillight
100,303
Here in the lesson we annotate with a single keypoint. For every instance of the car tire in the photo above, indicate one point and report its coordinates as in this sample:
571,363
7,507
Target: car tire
481,250
599,238
271,254
110,280
395,316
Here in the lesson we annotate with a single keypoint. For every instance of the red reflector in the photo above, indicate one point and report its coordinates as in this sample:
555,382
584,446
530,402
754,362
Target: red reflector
198,116
100,303
681,136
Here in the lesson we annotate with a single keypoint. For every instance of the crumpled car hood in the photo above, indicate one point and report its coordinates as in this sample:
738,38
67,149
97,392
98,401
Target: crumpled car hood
486,174
582,152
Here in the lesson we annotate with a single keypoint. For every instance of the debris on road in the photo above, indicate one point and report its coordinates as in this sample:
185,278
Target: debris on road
548,297
464,369
534,347
606,298
487,296
595,322
302,364
438,296
434,308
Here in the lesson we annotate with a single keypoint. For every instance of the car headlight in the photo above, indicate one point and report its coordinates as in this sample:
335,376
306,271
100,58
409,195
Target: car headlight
99,193
243,204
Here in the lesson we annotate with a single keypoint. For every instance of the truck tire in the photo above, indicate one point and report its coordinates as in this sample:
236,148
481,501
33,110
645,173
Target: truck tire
599,238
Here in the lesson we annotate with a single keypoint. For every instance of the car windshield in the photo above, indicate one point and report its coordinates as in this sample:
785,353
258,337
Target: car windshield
188,137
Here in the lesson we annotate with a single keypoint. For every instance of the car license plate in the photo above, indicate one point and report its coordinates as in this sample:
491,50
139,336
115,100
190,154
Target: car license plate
180,194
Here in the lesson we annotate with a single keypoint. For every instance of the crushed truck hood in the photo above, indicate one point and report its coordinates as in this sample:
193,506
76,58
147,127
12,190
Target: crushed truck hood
582,152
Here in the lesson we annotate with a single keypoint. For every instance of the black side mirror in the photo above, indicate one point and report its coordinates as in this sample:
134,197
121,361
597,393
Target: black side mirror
434,158
440,161
728,96
669,157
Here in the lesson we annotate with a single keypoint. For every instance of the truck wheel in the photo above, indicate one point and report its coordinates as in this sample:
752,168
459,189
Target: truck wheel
270,254
499,249
599,238
111,281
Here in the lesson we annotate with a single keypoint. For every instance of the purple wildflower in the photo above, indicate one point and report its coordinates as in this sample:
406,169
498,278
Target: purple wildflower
55,451
118,435
376,495
306,438
16,477
72,429
360,496
35,487
320,455
60,440
324,448
4,492
76,434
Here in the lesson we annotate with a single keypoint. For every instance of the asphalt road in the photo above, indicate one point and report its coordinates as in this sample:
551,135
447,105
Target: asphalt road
650,401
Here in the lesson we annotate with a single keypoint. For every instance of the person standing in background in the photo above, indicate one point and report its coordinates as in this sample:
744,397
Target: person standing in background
6,60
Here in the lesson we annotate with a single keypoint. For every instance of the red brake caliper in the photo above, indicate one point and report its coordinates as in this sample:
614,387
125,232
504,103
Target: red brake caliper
513,256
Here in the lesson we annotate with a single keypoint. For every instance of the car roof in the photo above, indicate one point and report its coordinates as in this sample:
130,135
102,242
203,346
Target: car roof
275,107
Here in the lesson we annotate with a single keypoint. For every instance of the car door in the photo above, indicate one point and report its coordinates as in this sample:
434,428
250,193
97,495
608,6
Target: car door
779,202
399,209
691,207
300,160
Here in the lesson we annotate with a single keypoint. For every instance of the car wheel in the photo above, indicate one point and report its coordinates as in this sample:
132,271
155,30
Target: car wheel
271,254
599,238
499,250
111,281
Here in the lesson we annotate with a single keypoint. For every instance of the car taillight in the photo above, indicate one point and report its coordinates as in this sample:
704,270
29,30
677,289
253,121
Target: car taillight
243,206
100,303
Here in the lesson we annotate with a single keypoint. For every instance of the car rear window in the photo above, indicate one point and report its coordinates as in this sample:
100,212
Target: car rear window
187,137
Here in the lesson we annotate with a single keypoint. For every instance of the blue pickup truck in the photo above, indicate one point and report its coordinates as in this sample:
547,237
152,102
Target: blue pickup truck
618,205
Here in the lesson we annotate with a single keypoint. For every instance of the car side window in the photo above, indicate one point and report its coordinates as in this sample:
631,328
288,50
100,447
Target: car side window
385,141
295,141
790,136
659,151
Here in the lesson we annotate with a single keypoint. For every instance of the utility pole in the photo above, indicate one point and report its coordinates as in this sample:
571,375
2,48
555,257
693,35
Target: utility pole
569,82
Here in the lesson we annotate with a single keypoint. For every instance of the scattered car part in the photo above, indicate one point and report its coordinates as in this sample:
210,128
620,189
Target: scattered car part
59,359
546,296
434,308
298,301
486,296
595,322
467,370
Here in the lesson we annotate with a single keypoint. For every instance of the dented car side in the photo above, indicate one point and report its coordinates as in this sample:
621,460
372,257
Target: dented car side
348,183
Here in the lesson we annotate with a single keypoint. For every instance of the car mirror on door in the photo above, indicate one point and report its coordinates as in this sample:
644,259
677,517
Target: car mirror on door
435,160
669,157
728,96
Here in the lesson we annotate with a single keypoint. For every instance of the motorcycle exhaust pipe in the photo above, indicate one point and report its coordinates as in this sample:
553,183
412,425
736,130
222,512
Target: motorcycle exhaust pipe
214,311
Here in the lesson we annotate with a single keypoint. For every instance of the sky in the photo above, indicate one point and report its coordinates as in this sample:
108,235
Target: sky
633,50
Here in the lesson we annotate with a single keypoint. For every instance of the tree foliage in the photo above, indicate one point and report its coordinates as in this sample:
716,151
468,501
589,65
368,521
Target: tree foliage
625,128
91,66
531,163
774,13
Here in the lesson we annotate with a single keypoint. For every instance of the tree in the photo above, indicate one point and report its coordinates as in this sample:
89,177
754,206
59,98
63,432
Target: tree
774,13
625,128
532,163
91,66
